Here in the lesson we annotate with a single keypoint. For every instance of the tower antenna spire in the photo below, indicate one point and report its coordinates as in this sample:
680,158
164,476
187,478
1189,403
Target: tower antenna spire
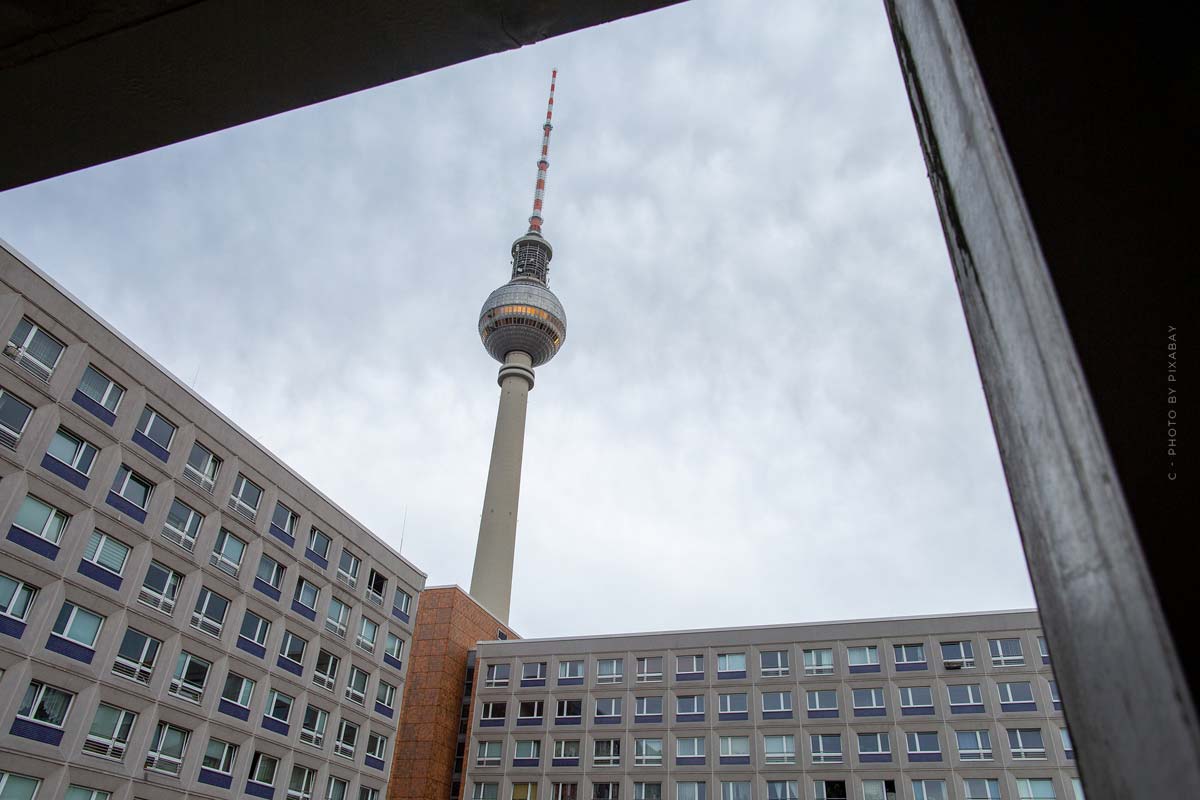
543,164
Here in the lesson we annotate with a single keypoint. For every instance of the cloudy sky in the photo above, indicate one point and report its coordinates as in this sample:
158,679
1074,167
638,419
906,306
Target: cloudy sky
766,409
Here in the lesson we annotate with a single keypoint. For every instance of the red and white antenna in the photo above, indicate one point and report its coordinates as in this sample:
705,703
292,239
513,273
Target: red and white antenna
543,164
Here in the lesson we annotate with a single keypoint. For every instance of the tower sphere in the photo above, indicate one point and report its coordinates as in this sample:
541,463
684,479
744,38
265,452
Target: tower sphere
523,315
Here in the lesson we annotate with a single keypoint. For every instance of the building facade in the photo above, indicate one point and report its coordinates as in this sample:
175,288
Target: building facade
181,615
961,707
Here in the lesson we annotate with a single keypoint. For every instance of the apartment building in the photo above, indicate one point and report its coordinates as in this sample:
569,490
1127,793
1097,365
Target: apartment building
181,614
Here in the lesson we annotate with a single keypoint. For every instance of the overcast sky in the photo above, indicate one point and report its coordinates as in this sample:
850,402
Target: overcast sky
766,409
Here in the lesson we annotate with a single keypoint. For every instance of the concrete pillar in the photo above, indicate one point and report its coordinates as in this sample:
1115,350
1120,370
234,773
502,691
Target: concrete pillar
491,578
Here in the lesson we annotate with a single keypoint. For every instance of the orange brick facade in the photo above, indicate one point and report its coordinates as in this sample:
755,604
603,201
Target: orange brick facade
448,625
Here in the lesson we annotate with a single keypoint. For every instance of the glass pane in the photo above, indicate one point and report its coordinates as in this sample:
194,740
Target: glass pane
32,515
63,447
19,787
13,413
44,349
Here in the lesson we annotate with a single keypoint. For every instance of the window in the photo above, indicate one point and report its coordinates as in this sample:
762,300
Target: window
731,662
497,675
394,646
156,428
974,745
922,742
608,707
78,625
863,656
569,708
209,614
270,572
829,790
263,768
689,746
874,744
337,617
136,656
73,451
822,700
485,791
958,655
133,487
336,788
916,697
109,735
1006,652
347,739
190,678
689,704
964,694
1035,789
773,663
981,789
367,793
1026,743
647,791
783,790
255,629
610,670
929,790
283,518
377,745
647,752
689,790
312,729
818,662
776,701
402,601
45,704
292,647
14,416
868,698
101,388
41,519
385,694
689,665
279,705
356,686
648,706
300,786
826,748
182,525
245,497
368,631
76,793
735,790
227,553
16,598
167,749
325,672
160,588
735,746
606,753
1043,650
733,703
564,791
318,543
780,749
307,594
497,710
570,669
649,668
347,571
238,690
527,791
106,552
909,653
1077,787
530,709
488,754
36,350
1015,692
1065,736
879,790
376,587
202,466
220,756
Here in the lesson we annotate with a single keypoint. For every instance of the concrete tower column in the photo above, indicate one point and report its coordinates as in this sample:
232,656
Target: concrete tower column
491,578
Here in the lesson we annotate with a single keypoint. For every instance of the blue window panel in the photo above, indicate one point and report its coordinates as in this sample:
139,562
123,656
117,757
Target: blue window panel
736,674
607,720
266,588
690,676
27,729
35,543
152,447
870,712
919,711
491,723
529,721
859,669
689,761
564,762
233,710
1018,706
373,762
525,762
568,721
651,718
733,715
70,649
251,648
98,573
875,758
258,790
824,713
68,474
777,715
570,681
971,709
316,558
275,725
11,627
125,507
303,610
689,717
213,778
1070,754
83,401
400,615
282,535
1058,705
1045,659
525,682
290,666
915,757
380,708
735,760
393,662
912,667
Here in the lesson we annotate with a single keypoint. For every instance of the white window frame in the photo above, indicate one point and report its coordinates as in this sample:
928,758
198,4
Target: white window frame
222,560
871,654
882,739
337,625
353,693
899,650
912,738
695,665
111,746
492,676
397,652
1002,659
165,600
791,790
205,477
785,703
101,544
966,654
298,593
262,629
640,793
785,753
561,747
689,747
483,753
156,761
22,355
405,604
539,708
361,640
612,758
974,692
728,662
615,672
313,533
132,477
373,596
488,711
697,703
616,707
277,572
780,669
350,578
314,736
876,694
385,694
201,621
640,703
291,518
82,447
23,595
725,703
39,694
730,790
180,687
336,783
811,667
326,678
142,670
308,778
571,668
378,748
819,694
1025,790
9,436
1006,688
226,761
47,531
245,693
240,505
274,696
643,758
108,390
562,706
823,756
1043,648
643,666
146,422
728,748
983,745
72,615
479,791
690,790
340,747
283,648
528,748
991,789
185,538
1024,752
906,696
921,790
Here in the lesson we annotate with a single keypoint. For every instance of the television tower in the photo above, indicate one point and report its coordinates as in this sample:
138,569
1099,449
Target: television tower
522,326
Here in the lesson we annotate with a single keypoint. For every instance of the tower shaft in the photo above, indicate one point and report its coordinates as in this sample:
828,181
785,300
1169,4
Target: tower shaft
491,578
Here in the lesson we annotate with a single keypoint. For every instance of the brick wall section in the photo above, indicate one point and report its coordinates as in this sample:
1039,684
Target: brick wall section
448,625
